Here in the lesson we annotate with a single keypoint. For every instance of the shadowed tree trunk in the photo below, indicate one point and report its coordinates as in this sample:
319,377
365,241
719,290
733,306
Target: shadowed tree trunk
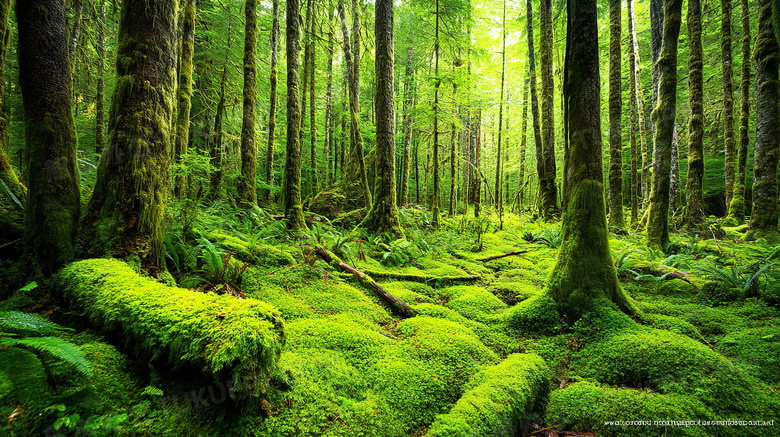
523,141
328,136
435,212
615,114
728,98
664,116
408,106
656,39
737,205
478,165
7,174
383,216
53,202
101,79
293,207
550,194
215,153
247,192
126,213
694,191
633,68
540,167
764,215
674,176
184,93
312,113
269,162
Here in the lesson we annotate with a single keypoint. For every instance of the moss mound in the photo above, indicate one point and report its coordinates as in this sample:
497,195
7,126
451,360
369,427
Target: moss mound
755,351
224,336
259,254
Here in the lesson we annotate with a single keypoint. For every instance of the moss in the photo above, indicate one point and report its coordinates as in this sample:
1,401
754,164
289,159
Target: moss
261,254
222,335
498,401
513,292
27,378
672,324
358,342
330,203
474,303
538,314
755,351
350,219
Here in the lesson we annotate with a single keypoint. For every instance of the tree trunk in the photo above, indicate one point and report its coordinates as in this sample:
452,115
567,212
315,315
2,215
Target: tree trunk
293,206
436,175
408,106
383,216
637,117
664,116
7,174
728,98
453,156
306,55
328,137
540,167
764,215
523,141
737,205
694,186
101,80
674,176
584,273
269,163
247,192
75,37
656,39
184,94
498,201
615,115
215,152
126,213
478,165
550,195
312,113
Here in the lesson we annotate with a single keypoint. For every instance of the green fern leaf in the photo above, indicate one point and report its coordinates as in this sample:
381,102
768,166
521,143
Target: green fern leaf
21,323
55,346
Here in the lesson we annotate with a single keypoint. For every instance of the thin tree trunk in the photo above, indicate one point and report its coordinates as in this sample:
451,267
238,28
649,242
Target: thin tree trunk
436,175
293,207
636,114
615,115
307,28
498,201
523,140
550,195
408,106
312,114
269,162
75,37
247,183
184,94
674,175
478,165
728,98
328,136
737,205
694,185
101,80
656,40
7,174
215,152
540,167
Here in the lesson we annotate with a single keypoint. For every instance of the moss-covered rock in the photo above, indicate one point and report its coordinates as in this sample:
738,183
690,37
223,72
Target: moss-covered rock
538,314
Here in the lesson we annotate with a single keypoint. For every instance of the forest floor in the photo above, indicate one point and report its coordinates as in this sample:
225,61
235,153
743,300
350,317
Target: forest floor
706,347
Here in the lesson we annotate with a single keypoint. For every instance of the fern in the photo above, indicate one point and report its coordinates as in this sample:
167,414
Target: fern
55,346
21,323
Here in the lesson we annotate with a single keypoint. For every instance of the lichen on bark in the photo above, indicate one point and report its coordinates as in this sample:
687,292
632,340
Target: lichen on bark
694,186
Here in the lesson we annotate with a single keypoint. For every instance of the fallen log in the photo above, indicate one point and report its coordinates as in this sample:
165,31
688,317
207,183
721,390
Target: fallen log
491,258
398,306
433,281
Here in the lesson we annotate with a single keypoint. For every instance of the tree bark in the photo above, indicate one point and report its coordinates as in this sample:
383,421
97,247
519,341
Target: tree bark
101,80
215,152
292,165
523,141
540,167
328,136
499,201
269,163
435,212
615,115
408,107
184,94
694,186
126,213
737,205
550,195
247,191
7,174
728,98
478,165
312,112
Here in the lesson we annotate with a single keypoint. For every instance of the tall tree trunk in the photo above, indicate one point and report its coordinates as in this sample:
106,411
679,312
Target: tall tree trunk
636,114
454,154
436,174
694,186
478,165
674,175
656,40
184,94
383,216
293,206
247,191
550,195
269,163
737,205
764,215
127,210
7,174
408,107
615,115
498,201
728,98
215,152
328,136
312,114
344,131
75,37
523,141
540,167
584,273
664,115
53,203
307,28
101,79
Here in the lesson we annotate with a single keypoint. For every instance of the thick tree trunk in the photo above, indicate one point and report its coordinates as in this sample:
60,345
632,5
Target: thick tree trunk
126,213
728,98
247,191
664,116
550,195
269,161
615,115
184,94
694,191
540,167
215,152
101,79
584,273
764,215
737,205
293,206
383,216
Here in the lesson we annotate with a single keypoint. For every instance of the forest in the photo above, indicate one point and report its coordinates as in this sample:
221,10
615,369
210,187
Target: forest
452,218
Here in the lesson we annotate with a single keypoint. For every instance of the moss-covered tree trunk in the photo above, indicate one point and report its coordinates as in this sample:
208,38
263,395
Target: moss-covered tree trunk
478,164
7,174
728,98
523,143
764,216
550,194
314,177
633,69
403,199
247,193
75,39
584,274
215,151
101,79
126,213
306,57
269,155
615,115
184,94
694,188
293,206
737,205
674,175
328,135
498,200
656,39
453,154
664,116
53,204
383,216
540,167
435,212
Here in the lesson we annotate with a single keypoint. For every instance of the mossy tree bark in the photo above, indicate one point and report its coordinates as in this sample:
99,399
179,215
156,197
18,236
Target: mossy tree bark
694,187
523,142
312,113
383,216
584,274
101,79
498,201
328,135
292,165
615,114
728,98
306,56
184,94
247,193
7,174
737,205
656,39
765,191
633,69
664,116
540,167
477,164
403,199
454,153
53,204
550,194
75,39
435,212
215,149
269,156
127,209
674,175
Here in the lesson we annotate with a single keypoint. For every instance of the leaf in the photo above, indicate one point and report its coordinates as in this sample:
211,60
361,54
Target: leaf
68,352
29,323
31,286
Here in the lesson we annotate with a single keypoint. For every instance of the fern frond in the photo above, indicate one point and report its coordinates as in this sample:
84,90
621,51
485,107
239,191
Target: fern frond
55,346
18,322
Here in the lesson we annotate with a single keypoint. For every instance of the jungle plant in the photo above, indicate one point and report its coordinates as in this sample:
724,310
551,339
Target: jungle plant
551,238
528,236
220,272
748,284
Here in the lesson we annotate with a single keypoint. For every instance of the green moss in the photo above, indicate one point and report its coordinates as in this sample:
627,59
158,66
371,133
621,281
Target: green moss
755,351
538,314
261,254
513,292
358,342
673,324
498,401
224,336
474,303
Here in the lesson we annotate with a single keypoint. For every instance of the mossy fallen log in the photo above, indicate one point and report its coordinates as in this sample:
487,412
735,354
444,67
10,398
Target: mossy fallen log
237,341
498,401
261,254
431,280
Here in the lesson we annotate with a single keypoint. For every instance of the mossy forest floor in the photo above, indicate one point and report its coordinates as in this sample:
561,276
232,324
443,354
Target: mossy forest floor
706,348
